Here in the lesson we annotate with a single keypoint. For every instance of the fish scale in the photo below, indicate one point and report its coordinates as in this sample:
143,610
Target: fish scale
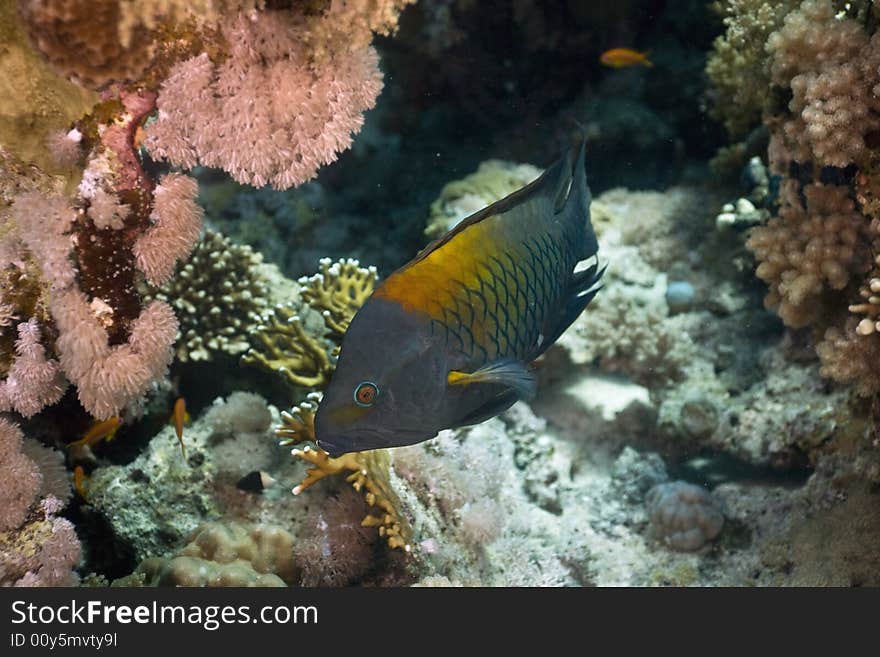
510,334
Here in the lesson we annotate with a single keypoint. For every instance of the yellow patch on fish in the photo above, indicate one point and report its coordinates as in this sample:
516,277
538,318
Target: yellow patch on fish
423,286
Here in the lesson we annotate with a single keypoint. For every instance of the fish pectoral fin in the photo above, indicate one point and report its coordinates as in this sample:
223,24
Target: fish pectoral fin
507,372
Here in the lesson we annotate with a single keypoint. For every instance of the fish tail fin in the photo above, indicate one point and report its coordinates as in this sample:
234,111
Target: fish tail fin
571,189
582,198
647,62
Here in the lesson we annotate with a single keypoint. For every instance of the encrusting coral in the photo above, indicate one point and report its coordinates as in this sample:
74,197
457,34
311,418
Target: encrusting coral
224,554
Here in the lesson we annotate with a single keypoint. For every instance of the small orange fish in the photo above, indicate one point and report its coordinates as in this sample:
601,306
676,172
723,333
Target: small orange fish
79,481
180,417
105,429
623,57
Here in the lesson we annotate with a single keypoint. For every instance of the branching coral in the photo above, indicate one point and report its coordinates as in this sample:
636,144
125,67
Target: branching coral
738,67
219,297
369,474
338,290
831,67
813,246
287,342
272,112
285,346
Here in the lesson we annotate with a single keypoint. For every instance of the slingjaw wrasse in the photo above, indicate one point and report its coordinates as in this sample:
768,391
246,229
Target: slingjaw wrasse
446,340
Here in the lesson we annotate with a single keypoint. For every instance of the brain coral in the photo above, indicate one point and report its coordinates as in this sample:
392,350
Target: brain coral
683,515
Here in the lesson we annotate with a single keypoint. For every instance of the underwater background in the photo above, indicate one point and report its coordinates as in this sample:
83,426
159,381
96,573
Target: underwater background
197,197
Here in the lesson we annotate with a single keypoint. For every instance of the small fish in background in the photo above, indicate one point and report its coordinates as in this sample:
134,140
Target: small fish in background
446,341
100,430
79,481
625,57
179,418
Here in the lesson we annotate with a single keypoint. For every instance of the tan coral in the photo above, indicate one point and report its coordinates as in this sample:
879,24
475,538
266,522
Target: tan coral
225,554
370,476
809,249
848,356
338,290
284,346
80,38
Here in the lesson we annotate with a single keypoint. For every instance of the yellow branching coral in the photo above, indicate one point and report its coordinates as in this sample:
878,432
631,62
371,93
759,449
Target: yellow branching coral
285,347
338,290
369,474
299,424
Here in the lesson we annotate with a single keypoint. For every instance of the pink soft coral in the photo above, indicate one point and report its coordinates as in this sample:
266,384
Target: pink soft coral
177,224
271,113
33,381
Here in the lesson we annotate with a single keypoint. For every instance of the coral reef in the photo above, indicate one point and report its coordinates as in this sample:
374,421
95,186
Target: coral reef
816,96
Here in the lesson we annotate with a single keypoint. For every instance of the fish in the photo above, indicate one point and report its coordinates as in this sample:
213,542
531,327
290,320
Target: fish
624,57
446,340
79,481
179,417
102,430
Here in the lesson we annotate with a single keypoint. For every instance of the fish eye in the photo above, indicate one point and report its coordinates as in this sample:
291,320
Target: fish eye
365,393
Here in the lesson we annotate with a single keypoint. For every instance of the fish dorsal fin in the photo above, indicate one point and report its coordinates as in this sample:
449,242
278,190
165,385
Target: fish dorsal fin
558,177
507,372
